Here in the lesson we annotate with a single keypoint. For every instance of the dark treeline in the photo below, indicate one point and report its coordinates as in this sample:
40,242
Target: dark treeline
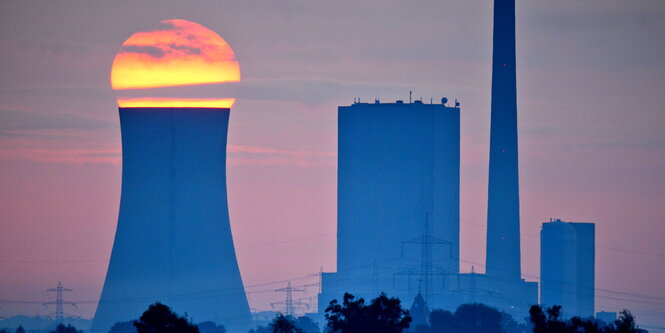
550,321
382,314
159,318
288,324
477,318
58,329
472,318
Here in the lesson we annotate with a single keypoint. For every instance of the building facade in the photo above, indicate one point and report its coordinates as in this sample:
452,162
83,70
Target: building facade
567,266
398,181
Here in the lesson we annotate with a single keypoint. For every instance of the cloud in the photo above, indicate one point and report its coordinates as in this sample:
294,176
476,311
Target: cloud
273,151
185,48
67,156
237,155
23,120
56,137
311,91
158,52
255,155
152,51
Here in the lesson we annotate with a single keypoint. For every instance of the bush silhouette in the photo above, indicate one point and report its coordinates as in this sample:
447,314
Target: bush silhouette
160,319
381,315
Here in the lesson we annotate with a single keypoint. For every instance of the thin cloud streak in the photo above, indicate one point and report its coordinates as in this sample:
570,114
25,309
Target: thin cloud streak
237,155
67,156
18,119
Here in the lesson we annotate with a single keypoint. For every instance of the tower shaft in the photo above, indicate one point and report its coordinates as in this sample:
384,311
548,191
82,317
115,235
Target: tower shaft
503,212
173,243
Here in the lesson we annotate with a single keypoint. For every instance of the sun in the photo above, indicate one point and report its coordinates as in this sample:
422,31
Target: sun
177,53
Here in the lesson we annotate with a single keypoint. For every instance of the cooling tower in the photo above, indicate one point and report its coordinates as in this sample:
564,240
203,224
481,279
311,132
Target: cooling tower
173,242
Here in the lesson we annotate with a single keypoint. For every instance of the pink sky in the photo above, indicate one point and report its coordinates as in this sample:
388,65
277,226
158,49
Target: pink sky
592,147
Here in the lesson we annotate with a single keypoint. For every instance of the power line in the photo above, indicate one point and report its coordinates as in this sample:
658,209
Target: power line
289,304
427,269
59,302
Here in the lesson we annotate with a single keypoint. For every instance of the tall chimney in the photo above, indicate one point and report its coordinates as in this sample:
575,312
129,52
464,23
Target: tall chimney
503,211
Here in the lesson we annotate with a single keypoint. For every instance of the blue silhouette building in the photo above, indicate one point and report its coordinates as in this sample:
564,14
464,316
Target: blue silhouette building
173,242
398,166
502,285
567,266
398,180
503,211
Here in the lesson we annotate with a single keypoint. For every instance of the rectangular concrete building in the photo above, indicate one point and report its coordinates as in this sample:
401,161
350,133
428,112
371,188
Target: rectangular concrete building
398,174
567,267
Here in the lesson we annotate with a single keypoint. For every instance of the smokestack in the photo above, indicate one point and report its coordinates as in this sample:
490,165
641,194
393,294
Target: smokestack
503,211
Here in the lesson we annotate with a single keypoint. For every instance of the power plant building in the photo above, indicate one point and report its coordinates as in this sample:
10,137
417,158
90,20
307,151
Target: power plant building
173,242
505,288
567,266
398,181
398,188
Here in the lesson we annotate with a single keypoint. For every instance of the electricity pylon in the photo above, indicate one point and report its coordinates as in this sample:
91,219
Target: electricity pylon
59,302
289,304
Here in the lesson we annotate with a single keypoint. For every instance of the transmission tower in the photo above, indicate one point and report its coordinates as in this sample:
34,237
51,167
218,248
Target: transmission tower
426,270
319,284
289,304
59,302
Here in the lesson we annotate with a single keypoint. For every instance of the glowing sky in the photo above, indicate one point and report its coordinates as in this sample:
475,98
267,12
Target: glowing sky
177,53
591,81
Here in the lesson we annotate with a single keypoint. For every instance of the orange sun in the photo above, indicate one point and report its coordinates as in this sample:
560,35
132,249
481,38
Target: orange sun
178,53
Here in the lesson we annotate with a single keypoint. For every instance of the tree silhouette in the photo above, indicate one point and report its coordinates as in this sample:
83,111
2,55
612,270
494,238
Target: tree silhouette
65,329
551,321
472,318
478,318
382,315
307,325
260,329
20,329
442,321
160,319
123,327
211,327
284,324
578,324
548,321
626,323
289,324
